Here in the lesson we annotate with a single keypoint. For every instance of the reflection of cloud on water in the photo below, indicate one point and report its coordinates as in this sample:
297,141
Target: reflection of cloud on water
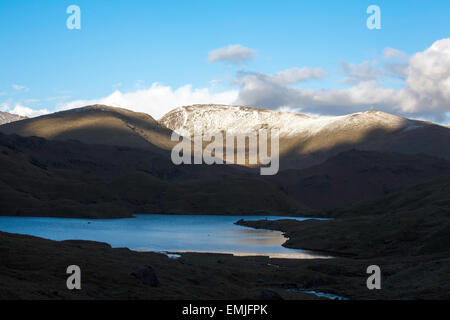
257,232
290,255
257,237
259,241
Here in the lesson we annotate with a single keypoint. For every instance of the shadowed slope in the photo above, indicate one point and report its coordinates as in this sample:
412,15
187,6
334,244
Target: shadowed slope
354,176
96,124
72,179
413,221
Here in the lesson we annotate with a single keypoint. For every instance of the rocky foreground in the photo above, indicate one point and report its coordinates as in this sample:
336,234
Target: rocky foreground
34,268
406,234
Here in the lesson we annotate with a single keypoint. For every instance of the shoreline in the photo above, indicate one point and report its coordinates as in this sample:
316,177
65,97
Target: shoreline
256,224
308,215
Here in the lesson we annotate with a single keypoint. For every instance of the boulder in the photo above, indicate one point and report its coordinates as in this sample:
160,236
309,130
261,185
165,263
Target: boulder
146,275
268,294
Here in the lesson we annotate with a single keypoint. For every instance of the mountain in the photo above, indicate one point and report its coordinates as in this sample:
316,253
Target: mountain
6,117
304,140
96,124
101,161
307,140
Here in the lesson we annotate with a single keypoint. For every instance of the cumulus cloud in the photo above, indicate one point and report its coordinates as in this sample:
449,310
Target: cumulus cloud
158,99
425,94
428,78
396,62
295,75
23,111
266,90
365,71
233,54
261,90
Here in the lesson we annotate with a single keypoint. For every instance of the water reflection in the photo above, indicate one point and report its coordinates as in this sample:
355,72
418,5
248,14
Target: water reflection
257,237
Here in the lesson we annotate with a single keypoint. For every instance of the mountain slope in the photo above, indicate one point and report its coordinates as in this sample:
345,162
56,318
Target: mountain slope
96,124
307,140
353,176
72,179
412,221
6,117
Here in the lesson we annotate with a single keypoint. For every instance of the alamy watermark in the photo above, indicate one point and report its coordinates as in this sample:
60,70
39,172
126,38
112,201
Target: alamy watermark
74,280
251,148
74,20
374,280
374,20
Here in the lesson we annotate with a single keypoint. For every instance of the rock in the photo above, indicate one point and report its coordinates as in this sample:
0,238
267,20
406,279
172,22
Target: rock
147,275
314,282
193,280
270,295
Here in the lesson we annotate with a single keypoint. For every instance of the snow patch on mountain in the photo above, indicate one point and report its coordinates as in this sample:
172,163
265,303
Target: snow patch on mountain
239,119
6,117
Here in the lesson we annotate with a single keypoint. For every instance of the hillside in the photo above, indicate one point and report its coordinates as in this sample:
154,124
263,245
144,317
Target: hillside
59,178
412,221
353,176
72,179
96,124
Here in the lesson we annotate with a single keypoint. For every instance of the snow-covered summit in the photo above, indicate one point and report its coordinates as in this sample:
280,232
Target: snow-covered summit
240,119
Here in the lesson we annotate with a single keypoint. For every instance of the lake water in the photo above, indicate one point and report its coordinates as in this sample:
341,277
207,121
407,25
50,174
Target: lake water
164,233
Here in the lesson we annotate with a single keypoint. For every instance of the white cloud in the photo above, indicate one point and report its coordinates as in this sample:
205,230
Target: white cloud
158,99
396,62
23,111
295,75
428,78
272,91
365,71
19,87
426,91
391,53
233,53
117,85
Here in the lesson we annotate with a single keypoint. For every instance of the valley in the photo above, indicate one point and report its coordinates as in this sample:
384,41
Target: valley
382,179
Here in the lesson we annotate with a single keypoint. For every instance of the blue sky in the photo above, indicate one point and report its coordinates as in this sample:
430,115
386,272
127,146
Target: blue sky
130,45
